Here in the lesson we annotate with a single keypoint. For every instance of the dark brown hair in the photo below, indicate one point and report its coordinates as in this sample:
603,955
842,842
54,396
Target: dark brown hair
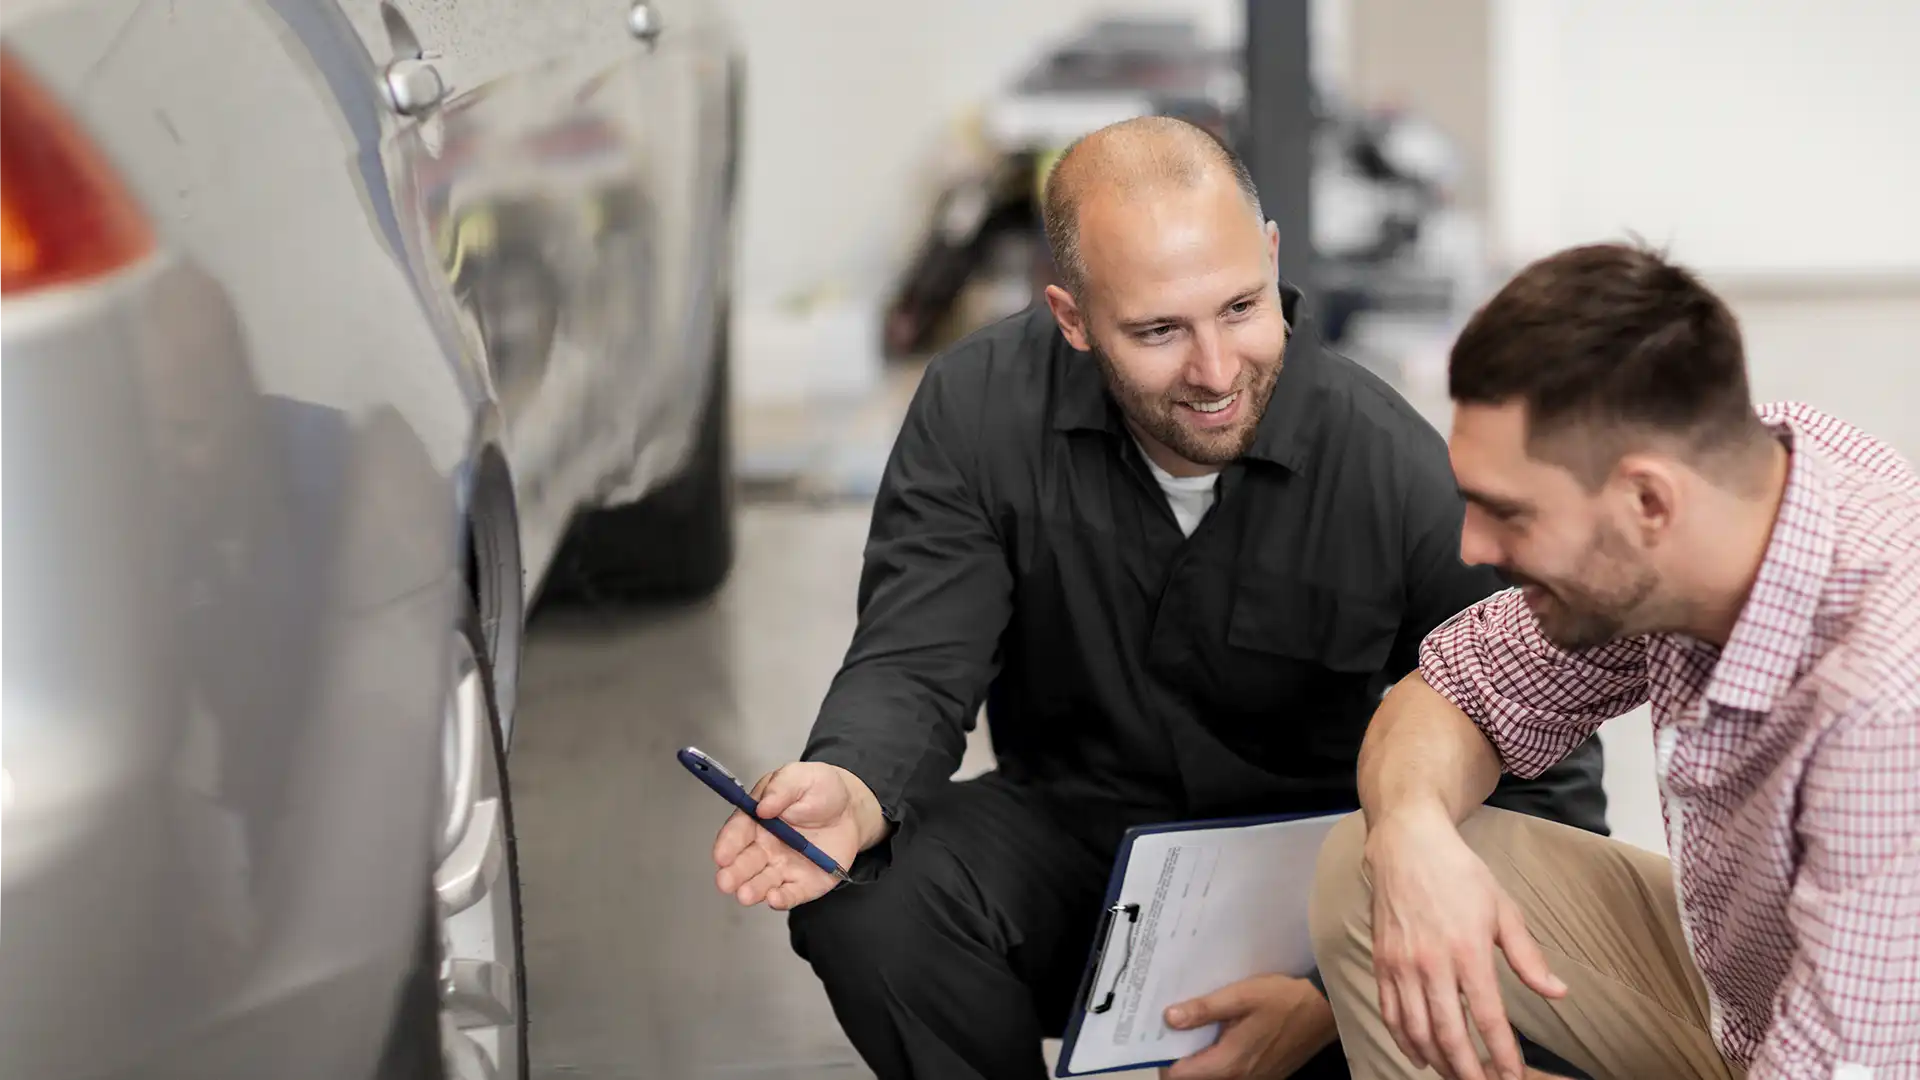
1608,345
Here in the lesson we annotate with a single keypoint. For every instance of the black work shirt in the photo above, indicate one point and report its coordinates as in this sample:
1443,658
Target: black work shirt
1021,554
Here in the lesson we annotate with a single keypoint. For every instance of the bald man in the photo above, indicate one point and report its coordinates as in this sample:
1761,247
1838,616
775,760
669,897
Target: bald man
1178,551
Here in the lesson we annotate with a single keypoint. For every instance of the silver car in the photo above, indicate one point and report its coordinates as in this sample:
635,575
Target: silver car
332,334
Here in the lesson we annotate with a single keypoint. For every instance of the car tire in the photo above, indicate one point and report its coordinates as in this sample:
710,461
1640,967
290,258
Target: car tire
418,1045
512,1037
678,542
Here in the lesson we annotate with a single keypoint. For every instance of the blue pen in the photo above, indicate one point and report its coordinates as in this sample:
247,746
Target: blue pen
715,775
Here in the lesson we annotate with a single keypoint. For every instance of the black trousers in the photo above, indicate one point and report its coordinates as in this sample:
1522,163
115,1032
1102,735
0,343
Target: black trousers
968,950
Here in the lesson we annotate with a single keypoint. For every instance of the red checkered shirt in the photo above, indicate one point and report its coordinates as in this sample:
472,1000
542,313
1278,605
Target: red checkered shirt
1789,761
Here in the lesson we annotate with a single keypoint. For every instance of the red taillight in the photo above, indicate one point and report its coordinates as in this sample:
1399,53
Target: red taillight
64,215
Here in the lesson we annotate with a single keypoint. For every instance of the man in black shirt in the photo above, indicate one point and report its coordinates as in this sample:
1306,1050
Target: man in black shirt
1179,552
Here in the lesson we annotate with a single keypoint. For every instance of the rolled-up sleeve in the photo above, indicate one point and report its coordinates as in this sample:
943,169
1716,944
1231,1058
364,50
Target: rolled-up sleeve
1849,1007
1534,701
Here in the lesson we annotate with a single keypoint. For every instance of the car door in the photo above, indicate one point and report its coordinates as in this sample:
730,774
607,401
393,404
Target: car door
548,176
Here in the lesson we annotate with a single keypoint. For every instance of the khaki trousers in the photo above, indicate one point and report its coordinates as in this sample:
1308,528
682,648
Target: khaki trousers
1604,914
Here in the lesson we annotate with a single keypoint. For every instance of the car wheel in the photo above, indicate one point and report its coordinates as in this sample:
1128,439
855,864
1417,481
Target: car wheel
678,543
482,973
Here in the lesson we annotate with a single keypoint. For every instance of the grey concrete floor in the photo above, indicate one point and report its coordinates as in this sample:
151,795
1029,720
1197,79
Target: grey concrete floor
639,968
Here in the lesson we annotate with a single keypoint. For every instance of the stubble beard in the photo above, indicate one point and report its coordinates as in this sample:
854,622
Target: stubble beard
1613,603
1158,416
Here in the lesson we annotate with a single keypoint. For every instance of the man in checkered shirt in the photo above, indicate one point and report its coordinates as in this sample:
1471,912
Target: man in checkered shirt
1755,575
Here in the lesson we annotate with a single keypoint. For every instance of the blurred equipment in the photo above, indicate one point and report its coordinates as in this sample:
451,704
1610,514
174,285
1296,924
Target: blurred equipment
1381,181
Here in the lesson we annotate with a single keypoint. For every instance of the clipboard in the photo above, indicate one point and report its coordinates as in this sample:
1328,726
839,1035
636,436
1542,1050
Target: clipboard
1113,970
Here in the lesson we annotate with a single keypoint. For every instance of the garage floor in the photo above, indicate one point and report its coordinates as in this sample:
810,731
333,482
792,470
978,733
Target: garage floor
639,968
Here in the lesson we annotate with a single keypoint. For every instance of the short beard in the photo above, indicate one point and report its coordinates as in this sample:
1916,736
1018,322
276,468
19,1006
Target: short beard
1157,416
1610,603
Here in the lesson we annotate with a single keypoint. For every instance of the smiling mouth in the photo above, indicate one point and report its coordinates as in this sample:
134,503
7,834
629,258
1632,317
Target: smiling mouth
1219,405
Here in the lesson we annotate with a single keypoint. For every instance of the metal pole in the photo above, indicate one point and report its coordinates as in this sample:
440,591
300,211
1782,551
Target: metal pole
1279,129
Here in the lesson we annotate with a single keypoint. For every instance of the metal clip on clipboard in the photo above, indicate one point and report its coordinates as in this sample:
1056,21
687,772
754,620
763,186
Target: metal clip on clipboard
1110,924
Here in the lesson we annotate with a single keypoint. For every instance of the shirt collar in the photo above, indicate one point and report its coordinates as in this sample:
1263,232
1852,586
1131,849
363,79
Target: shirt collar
1086,405
1773,641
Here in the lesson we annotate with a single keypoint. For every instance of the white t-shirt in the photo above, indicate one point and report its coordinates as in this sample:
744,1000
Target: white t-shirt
1189,496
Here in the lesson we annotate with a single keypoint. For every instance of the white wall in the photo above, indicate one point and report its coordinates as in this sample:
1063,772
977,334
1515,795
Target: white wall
1759,138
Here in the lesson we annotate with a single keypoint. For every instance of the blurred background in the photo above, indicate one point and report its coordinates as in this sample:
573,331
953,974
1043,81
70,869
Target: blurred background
1764,144
588,325
888,208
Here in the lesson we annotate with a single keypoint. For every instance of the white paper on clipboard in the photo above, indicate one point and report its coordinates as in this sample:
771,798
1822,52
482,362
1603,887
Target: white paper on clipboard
1197,909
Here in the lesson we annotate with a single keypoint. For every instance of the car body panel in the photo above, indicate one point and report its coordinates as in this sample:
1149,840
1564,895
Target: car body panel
197,700
566,195
239,479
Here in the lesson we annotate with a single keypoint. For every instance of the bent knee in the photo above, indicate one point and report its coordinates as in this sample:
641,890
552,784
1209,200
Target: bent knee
900,918
845,922
1342,898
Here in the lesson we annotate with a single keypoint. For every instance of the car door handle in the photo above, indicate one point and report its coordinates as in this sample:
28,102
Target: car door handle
643,21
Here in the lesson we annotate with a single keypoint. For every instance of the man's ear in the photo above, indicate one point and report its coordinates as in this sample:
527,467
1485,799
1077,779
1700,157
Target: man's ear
1273,247
1067,313
1652,490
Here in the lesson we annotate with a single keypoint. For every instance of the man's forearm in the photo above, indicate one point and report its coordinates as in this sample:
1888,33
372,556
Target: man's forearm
1422,753
881,724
